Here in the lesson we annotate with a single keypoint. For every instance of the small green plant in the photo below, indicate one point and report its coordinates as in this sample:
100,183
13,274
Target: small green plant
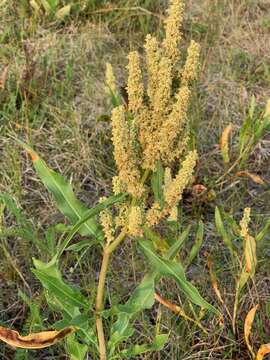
155,164
52,8
252,130
244,261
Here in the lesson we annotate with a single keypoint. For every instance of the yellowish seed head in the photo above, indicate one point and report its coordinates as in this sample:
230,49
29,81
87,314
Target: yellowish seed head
106,221
174,124
189,72
173,34
173,193
124,155
153,55
173,215
117,185
154,215
121,218
161,98
244,223
135,86
135,221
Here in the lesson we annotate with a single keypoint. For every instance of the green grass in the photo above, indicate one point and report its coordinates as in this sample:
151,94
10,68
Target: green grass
54,98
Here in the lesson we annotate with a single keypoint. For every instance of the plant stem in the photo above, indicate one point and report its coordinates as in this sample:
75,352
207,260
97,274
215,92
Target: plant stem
108,250
100,292
100,304
117,241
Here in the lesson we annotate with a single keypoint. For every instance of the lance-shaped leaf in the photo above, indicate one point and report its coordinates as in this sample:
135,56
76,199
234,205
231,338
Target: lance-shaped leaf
197,245
51,279
135,350
76,350
175,270
222,232
88,215
64,196
142,298
35,340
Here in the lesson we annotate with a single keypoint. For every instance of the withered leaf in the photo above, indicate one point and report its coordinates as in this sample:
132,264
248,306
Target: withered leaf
224,143
247,328
254,177
34,340
263,350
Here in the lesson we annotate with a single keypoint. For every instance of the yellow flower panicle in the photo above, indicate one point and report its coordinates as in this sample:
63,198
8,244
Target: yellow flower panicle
124,155
135,221
167,182
121,218
244,223
162,96
110,78
117,185
135,86
158,129
174,124
153,56
173,193
173,34
106,221
190,69
154,215
180,147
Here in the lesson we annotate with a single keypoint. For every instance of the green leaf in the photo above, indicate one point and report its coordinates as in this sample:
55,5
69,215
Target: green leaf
74,349
34,306
135,350
81,245
88,215
51,279
64,196
24,228
170,268
157,183
261,235
172,252
121,331
48,6
197,245
142,298
222,232
160,244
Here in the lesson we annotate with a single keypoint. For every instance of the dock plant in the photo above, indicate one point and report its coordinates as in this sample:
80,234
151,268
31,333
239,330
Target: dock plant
155,163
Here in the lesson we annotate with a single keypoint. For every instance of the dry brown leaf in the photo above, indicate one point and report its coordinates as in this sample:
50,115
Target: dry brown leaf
256,178
34,340
224,143
247,328
214,279
250,255
263,350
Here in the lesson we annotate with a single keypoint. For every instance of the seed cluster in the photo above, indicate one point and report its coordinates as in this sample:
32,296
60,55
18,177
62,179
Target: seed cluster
153,127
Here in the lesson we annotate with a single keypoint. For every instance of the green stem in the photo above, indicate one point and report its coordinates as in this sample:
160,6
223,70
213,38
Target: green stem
100,304
100,292
108,250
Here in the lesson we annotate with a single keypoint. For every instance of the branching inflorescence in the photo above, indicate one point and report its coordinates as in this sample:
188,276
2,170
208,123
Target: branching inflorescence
153,127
